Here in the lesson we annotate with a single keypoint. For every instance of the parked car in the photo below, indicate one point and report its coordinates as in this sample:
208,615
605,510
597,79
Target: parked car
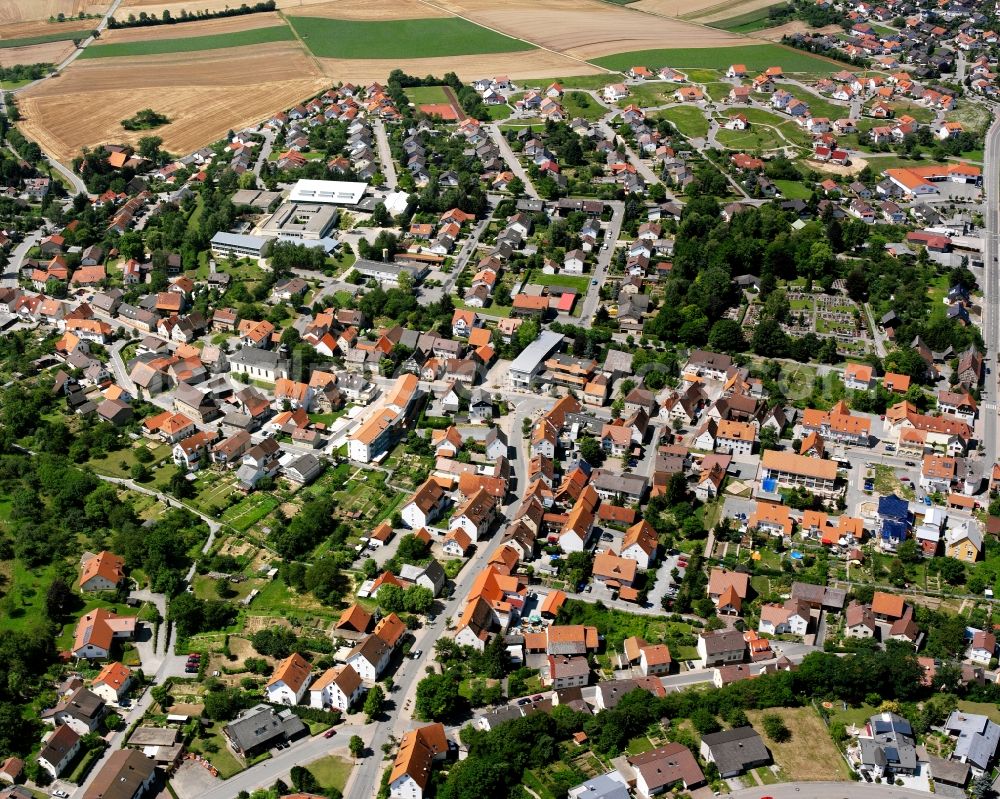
329,733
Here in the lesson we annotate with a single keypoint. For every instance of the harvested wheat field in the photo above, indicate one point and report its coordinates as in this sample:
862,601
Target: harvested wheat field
716,12
699,9
366,10
204,94
22,10
588,29
187,30
517,66
50,53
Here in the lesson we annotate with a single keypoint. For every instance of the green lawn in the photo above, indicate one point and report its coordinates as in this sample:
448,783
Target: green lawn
221,758
581,284
120,463
403,38
690,121
578,104
793,189
331,771
756,57
23,602
276,33
421,95
757,138
27,41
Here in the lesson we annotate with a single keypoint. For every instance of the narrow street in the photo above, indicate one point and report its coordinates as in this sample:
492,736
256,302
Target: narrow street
386,163
512,160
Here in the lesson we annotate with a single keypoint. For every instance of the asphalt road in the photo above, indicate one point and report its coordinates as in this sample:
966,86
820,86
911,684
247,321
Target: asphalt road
828,790
991,270
513,163
593,297
385,154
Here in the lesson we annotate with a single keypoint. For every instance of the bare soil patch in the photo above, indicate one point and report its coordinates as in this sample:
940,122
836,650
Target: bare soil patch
588,29
49,53
21,10
210,27
517,66
204,94
255,624
795,26
856,165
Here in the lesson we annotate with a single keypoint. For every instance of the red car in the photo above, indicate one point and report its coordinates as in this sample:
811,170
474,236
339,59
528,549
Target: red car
329,733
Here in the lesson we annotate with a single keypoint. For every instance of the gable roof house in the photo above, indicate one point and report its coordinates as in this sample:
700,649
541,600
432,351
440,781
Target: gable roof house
419,749
289,681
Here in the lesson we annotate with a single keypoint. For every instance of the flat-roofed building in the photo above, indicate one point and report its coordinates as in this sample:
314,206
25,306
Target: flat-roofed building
299,220
526,367
336,192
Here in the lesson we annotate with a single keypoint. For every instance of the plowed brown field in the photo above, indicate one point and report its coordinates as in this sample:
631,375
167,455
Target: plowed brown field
204,95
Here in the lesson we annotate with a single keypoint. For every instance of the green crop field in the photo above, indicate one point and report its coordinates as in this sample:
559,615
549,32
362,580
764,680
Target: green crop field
276,33
756,20
45,38
756,57
403,38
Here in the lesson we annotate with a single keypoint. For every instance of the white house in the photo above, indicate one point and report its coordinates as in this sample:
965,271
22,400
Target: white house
369,658
288,684
425,505
59,749
792,617
112,683
418,750
338,688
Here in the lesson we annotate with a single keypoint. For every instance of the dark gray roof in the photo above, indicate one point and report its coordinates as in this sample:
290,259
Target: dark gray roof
261,724
735,750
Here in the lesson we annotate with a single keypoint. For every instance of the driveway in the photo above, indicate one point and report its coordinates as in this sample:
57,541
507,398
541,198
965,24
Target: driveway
192,780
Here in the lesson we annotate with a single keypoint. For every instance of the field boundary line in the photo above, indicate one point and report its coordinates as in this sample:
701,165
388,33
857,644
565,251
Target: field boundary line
309,53
537,46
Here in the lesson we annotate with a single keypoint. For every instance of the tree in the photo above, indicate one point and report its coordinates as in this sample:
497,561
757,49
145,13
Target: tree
277,642
412,549
58,599
179,485
775,728
417,599
373,702
591,451
140,473
391,598
357,746
909,551
304,782
726,335
325,580
437,697
768,438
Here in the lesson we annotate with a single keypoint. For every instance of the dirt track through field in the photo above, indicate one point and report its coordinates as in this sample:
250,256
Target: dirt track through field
186,30
204,95
586,29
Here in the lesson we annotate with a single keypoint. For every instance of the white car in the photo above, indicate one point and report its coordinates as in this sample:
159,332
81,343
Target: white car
61,794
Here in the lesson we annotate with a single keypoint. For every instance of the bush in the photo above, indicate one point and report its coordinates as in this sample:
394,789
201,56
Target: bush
775,728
